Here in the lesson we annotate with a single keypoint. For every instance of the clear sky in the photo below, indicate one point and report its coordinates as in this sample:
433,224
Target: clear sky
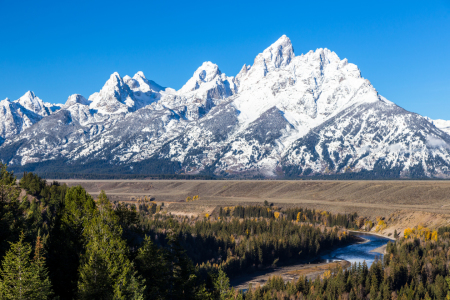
58,48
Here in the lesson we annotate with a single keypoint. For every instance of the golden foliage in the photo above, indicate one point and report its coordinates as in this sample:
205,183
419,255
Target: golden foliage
381,225
420,232
326,275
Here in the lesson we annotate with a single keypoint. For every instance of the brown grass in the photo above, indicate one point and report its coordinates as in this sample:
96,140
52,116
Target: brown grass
367,198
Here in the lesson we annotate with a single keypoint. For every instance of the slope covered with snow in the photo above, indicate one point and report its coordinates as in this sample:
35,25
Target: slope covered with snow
286,115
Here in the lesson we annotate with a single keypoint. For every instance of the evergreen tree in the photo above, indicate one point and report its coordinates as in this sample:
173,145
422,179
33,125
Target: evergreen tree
66,243
44,288
106,272
153,267
12,221
22,278
222,285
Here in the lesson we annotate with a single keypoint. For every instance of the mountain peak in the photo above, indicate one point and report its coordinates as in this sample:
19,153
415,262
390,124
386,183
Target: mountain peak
76,98
33,103
276,56
139,74
115,77
207,72
283,41
29,94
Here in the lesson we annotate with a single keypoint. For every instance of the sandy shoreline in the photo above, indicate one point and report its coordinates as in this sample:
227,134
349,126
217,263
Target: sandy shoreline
373,233
381,249
288,273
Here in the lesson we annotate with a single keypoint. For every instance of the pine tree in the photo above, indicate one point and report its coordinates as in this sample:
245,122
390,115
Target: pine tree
44,289
222,285
22,278
67,242
106,272
11,215
153,267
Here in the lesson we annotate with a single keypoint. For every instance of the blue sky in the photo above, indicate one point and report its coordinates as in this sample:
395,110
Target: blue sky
58,48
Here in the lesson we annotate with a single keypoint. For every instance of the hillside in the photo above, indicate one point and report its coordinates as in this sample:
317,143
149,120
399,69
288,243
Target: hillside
285,116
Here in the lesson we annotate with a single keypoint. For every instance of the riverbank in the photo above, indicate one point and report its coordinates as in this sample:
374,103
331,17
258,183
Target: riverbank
288,273
380,250
310,268
374,233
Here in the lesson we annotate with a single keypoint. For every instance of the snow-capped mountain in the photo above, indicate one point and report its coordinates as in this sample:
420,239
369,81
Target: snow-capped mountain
18,115
283,116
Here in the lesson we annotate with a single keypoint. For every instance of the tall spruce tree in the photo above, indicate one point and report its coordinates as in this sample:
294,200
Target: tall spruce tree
222,285
106,271
12,221
66,242
152,265
22,277
44,289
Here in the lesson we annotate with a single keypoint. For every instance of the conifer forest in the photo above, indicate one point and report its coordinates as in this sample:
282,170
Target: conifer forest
58,242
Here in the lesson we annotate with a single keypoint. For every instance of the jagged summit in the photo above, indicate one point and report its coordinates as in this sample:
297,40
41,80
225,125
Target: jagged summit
33,103
285,115
144,82
207,72
122,95
277,55
139,74
76,99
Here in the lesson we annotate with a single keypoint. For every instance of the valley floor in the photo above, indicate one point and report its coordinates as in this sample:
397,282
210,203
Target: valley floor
406,202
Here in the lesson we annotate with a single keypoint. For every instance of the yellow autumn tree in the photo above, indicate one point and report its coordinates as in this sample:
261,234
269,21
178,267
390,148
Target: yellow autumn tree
188,199
381,225
326,275
298,217
420,232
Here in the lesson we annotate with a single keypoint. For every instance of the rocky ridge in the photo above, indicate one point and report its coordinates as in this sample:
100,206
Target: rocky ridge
283,116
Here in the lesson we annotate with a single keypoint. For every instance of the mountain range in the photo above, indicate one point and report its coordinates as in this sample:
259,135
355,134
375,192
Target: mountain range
285,116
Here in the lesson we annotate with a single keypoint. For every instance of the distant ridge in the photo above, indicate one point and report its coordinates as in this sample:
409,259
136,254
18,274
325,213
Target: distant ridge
285,116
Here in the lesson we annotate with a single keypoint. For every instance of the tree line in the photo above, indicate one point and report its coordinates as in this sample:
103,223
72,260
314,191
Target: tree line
60,243
240,245
415,267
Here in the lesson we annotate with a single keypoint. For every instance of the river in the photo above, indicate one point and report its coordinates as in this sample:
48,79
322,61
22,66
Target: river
357,253
354,253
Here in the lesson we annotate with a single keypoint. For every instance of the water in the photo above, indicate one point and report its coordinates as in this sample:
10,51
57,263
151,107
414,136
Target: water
357,253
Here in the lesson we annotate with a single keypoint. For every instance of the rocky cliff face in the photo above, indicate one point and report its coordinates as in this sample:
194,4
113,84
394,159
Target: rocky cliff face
284,116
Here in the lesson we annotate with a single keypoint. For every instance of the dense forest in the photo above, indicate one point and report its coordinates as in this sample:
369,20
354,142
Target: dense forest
60,243
415,267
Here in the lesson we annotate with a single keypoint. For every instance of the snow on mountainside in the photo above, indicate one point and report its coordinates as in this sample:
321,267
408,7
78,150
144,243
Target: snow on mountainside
36,105
208,87
284,116
443,125
18,115
122,95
